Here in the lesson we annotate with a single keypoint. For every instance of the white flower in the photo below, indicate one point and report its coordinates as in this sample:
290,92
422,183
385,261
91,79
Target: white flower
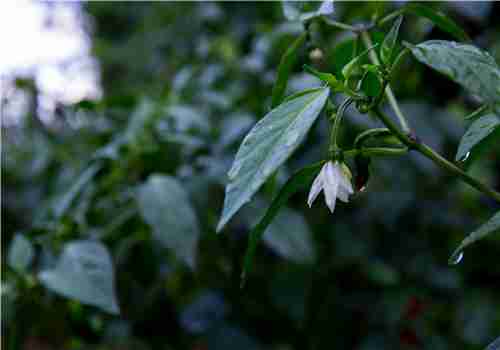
335,181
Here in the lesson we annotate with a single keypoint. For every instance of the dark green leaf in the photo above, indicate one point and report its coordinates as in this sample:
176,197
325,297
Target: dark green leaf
467,65
491,226
298,181
290,237
439,19
20,253
285,68
84,272
495,345
477,132
267,146
354,66
165,206
389,43
64,202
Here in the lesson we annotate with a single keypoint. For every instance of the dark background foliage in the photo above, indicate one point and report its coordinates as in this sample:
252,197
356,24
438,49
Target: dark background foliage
182,83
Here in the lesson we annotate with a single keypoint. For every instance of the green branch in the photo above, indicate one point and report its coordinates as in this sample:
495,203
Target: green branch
435,157
388,91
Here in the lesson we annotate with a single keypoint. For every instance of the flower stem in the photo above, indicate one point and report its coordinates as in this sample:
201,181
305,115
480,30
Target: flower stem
336,125
388,91
425,150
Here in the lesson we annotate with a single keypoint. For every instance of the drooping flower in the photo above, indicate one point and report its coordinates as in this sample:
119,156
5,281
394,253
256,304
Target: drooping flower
335,181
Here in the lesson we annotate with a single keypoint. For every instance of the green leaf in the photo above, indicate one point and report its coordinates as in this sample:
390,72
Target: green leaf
267,146
288,234
467,65
491,226
63,203
479,130
354,66
286,64
290,237
306,10
389,43
84,272
21,253
439,19
165,206
298,181
495,345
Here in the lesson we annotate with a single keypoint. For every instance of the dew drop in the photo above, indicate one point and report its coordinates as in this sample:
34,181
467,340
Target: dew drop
456,258
465,157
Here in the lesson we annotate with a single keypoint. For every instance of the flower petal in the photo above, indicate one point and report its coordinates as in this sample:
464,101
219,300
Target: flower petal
345,178
330,186
342,194
316,188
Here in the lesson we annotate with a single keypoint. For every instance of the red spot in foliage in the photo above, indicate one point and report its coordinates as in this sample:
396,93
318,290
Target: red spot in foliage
414,308
408,337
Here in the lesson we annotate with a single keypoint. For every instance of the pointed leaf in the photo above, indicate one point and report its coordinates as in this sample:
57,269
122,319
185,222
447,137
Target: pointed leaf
63,203
389,43
267,146
491,226
354,66
165,206
479,130
467,65
298,181
285,68
21,253
439,19
84,272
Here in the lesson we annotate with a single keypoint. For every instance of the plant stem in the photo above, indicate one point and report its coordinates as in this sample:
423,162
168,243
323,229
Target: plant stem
336,124
388,91
390,16
358,141
435,157
340,25
376,151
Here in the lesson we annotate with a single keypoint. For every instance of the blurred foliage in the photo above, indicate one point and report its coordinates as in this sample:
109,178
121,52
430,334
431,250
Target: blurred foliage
127,177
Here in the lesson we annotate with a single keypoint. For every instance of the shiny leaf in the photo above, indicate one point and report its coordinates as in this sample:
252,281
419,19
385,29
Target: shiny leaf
267,146
491,226
467,65
479,130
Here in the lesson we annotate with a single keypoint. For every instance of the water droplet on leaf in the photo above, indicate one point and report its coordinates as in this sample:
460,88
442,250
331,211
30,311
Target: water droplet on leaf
465,157
456,258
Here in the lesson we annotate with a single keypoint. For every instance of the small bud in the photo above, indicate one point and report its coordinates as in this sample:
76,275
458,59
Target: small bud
316,55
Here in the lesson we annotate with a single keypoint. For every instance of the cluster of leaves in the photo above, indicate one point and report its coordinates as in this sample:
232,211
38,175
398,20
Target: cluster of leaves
110,212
